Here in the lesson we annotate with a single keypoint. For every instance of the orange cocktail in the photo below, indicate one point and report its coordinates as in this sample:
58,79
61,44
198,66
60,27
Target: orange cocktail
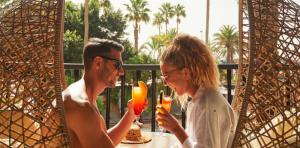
139,95
165,103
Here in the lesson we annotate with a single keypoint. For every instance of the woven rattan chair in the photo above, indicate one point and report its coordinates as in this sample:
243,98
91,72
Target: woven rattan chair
268,93
31,113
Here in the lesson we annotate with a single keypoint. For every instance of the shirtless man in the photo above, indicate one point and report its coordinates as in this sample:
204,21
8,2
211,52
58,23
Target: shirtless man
102,68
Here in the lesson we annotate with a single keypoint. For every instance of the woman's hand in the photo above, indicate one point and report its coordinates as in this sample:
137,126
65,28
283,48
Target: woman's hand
166,120
169,122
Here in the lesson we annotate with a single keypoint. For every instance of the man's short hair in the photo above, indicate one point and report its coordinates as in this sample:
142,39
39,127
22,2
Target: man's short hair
96,47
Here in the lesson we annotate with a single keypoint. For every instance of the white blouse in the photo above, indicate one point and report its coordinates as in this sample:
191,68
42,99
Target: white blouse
210,121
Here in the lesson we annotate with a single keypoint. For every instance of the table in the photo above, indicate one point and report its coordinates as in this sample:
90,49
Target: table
164,140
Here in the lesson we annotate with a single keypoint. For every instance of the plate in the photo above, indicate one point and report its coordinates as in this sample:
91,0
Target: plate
143,139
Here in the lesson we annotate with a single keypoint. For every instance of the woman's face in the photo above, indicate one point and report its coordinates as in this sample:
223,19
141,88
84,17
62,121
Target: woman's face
174,78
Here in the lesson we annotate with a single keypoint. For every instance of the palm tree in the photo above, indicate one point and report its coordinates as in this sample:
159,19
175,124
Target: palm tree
207,21
158,20
105,3
179,11
154,46
105,6
86,21
137,12
226,42
168,11
159,42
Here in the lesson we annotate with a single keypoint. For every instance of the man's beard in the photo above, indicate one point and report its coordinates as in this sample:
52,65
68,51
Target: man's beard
105,79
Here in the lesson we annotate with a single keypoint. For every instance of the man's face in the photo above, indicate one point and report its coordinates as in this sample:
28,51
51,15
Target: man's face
112,68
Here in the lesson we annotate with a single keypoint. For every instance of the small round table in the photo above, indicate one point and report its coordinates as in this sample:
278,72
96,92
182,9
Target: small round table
164,140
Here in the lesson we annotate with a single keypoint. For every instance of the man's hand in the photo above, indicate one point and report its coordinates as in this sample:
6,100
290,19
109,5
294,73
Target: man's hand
130,107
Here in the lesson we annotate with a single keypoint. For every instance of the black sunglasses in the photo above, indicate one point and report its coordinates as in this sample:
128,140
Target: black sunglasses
118,64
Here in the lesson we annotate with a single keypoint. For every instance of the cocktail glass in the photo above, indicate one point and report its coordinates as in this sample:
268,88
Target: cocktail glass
139,95
165,102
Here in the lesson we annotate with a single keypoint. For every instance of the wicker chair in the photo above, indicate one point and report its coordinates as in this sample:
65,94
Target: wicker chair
31,113
268,93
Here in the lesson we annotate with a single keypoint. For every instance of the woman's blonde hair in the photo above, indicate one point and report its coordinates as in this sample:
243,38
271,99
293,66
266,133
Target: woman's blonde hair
190,52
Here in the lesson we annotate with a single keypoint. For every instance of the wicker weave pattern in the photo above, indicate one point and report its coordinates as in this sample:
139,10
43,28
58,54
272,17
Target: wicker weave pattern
31,112
268,94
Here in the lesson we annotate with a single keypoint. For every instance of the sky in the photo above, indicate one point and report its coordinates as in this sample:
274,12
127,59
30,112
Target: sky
193,23
222,12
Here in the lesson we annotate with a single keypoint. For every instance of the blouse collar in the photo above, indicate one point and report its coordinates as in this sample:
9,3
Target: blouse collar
198,94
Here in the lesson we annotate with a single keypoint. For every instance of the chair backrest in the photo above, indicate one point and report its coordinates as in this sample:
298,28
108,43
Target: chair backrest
31,111
267,96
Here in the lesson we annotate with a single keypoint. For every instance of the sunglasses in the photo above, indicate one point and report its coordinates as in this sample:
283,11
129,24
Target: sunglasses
164,77
118,64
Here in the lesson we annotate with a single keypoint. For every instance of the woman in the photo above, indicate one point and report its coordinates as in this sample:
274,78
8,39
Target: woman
188,68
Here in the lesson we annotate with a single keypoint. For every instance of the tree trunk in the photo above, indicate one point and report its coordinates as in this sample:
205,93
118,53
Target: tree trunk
177,23
207,21
166,25
228,54
136,36
86,21
159,27
229,57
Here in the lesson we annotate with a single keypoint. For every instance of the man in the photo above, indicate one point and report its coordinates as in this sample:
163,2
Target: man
102,68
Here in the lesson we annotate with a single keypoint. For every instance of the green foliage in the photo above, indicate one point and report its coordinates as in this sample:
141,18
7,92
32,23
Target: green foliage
179,11
158,43
104,22
3,3
70,80
137,11
128,52
167,10
94,10
158,20
73,45
100,104
73,19
225,43
111,25
154,46
141,59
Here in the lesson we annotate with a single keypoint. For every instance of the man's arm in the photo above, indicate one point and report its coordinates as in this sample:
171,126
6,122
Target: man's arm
120,130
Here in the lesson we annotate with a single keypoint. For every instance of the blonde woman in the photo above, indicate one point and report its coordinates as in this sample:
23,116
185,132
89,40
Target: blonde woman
188,68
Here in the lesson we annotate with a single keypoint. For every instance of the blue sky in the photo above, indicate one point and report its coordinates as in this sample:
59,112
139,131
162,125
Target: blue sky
222,12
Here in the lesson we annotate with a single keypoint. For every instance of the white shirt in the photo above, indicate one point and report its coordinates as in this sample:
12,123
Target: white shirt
210,121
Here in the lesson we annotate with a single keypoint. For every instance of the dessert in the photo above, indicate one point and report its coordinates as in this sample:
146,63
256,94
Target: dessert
134,134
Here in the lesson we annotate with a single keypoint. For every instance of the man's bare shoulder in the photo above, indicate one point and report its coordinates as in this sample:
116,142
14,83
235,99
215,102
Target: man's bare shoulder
82,118
75,99
75,94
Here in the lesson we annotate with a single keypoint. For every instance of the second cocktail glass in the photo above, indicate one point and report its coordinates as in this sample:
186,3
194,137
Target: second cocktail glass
165,102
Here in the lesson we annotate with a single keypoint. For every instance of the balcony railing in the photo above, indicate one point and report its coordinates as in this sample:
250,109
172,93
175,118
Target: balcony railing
76,70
